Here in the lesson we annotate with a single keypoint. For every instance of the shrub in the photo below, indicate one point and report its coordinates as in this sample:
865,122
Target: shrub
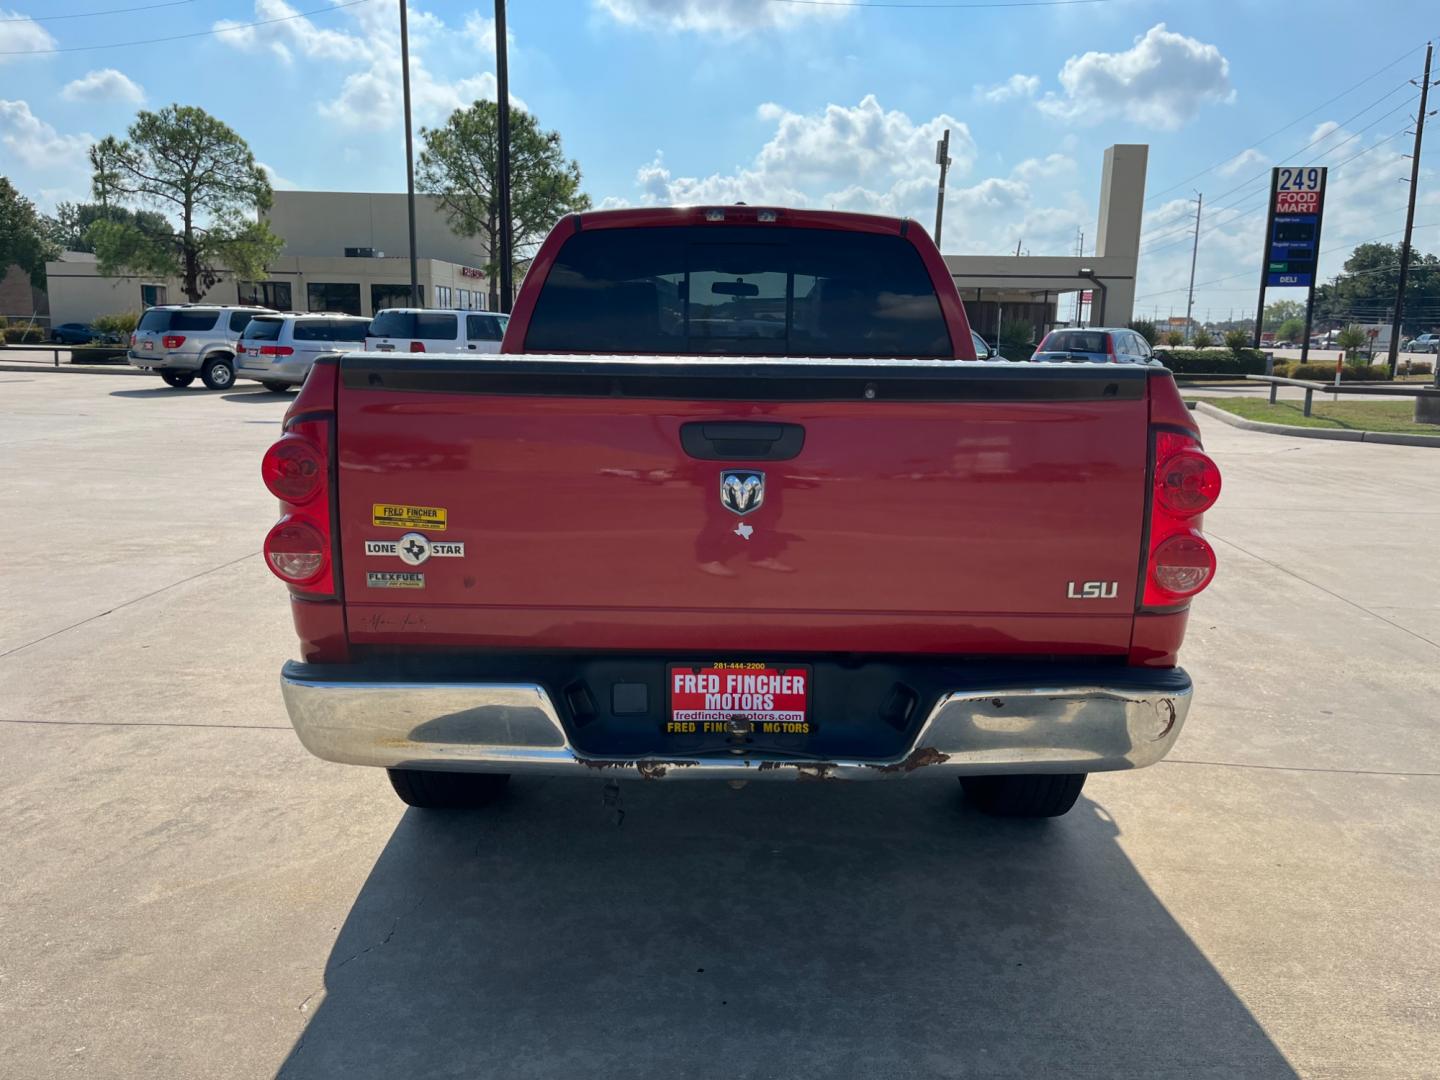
1175,338
1017,334
1352,339
1326,372
24,335
1416,367
1203,339
1146,329
122,323
1197,362
1235,340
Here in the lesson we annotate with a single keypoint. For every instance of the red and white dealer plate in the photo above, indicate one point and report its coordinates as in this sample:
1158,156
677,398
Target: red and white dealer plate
711,699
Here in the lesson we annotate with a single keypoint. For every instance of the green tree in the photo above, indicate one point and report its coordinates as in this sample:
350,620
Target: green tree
1352,339
459,165
1365,291
23,238
1174,338
1202,338
1281,311
186,162
69,226
1290,330
1235,340
1146,329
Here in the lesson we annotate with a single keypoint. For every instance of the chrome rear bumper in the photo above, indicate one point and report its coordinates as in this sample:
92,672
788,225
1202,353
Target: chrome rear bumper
497,727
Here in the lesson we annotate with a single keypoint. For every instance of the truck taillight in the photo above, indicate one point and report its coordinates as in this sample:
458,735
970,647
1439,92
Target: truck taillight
1180,562
296,551
293,469
276,350
298,470
417,346
173,341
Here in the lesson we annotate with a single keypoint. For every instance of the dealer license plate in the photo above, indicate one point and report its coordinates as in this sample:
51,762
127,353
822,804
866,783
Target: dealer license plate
741,698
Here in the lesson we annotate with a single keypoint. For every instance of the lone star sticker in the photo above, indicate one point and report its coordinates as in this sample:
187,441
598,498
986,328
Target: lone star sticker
743,530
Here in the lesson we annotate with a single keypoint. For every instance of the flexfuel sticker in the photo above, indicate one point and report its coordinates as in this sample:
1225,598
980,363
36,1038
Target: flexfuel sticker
394,579
391,516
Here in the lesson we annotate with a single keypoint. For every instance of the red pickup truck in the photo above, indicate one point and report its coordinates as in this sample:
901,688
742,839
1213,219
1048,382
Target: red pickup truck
736,501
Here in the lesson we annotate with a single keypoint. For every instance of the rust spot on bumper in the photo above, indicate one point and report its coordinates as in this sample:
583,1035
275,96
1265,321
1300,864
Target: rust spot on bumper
918,759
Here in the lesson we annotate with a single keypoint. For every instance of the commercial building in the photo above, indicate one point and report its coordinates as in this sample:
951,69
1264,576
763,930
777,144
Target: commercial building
343,251
1046,290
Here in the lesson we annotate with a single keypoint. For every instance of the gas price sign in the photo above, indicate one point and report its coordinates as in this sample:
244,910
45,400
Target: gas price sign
1297,207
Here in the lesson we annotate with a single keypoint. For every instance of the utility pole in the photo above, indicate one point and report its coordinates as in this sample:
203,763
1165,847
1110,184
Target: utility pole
409,153
502,98
1194,255
942,158
1017,247
1410,215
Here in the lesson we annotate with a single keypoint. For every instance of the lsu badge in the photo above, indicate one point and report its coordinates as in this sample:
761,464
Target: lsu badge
398,516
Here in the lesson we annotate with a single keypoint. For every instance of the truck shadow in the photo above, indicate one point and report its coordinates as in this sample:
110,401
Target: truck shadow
867,930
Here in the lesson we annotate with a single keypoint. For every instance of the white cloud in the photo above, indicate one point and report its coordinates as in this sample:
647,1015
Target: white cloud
370,94
729,18
23,34
294,35
1245,160
1160,82
842,156
278,182
102,86
39,145
866,158
1017,86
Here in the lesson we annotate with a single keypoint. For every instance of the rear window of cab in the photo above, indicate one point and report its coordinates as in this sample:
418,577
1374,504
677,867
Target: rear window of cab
691,290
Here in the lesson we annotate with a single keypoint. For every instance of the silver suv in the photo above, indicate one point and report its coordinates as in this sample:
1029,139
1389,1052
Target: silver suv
180,341
278,350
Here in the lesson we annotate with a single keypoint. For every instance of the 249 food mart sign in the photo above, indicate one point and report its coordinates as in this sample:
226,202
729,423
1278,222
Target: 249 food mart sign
1297,209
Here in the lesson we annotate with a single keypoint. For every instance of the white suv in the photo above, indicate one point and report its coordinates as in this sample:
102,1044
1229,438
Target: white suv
180,341
419,330
278,350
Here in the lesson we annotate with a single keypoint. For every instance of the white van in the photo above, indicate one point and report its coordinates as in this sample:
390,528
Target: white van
419,330
278,350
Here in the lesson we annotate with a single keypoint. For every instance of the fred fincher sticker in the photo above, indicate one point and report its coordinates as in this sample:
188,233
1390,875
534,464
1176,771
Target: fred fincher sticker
394,579
394,516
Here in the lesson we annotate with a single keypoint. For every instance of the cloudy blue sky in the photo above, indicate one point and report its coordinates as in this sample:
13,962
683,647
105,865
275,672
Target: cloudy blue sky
798,102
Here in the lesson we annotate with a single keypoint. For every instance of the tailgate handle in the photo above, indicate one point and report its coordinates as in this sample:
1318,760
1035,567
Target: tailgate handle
741,440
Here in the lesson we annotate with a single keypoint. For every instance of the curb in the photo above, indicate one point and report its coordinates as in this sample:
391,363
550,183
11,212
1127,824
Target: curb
1333,434
74,369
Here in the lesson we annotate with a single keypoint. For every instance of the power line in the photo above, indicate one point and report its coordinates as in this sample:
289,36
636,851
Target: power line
1248,204
1264,175
181,37
88,14
1303,116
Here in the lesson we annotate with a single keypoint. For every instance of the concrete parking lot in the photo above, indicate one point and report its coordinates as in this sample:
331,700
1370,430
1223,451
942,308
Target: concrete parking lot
184,892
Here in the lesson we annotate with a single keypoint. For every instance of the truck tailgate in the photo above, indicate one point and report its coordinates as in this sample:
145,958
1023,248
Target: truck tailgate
933,506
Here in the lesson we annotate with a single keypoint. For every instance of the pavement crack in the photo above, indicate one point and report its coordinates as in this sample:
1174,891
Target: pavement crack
127,603
1329,592
1296,768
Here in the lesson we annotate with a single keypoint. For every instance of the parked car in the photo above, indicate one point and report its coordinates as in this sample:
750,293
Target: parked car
1095,345
983,349
1426,343
74,333
648,541
180,341
419,330
277,350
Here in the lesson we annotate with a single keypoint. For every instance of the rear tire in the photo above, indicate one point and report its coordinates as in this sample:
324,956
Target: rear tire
447,790
1038,795
178,379
277,387
219,373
